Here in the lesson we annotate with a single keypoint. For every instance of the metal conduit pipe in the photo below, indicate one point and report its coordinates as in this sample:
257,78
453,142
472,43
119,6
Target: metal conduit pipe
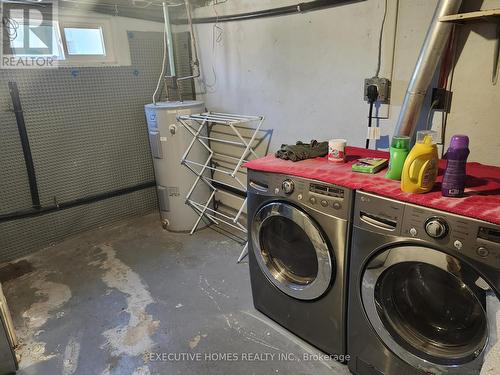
273,12
428,60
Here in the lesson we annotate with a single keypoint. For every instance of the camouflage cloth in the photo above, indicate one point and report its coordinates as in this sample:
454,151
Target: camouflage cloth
302,151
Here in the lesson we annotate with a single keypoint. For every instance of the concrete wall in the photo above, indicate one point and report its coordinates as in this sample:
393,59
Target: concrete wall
475,109
305,72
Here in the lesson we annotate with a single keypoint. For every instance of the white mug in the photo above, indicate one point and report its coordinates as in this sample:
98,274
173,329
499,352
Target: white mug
336,150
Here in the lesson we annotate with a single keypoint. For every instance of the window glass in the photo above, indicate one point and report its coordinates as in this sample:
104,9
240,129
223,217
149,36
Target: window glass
84,41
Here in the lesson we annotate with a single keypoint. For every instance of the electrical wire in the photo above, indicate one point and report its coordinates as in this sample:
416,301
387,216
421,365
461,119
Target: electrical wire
372,94
429,114
11,26
370,118
147,4
380,40
134,3
449,83
217,35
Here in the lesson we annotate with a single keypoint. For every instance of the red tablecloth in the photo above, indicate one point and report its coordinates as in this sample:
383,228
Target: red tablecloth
481,201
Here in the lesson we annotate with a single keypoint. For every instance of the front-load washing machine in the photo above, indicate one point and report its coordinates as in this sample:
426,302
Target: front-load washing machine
421,282
298,230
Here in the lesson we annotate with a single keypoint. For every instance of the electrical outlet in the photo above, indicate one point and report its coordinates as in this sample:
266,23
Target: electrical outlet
383,87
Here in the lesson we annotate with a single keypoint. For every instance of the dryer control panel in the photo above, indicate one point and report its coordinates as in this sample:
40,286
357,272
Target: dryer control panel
318,196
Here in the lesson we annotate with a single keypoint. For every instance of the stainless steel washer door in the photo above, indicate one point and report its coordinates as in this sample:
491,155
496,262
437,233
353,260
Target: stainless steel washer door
428,308
292,251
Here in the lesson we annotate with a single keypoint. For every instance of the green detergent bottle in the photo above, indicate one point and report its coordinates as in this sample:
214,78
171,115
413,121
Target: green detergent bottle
400,147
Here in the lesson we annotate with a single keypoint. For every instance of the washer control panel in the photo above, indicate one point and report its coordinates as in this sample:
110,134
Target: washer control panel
475,239
472,238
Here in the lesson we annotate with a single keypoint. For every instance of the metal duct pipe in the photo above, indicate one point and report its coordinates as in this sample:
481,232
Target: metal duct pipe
170,42
428,60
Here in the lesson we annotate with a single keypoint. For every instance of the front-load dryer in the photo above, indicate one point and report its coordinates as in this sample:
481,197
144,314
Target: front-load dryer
424,287
298,231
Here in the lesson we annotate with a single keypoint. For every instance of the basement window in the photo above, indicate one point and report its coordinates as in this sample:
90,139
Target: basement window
88,43
74,43
84,41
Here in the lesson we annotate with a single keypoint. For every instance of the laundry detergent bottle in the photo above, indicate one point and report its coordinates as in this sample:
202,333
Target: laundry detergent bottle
421,166
400,147
455,174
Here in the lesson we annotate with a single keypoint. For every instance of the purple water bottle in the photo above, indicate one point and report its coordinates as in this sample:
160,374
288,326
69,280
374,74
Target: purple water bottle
454,175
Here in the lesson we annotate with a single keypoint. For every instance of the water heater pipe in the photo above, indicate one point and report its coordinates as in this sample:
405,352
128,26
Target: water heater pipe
168,49
170,42
428,60
195,62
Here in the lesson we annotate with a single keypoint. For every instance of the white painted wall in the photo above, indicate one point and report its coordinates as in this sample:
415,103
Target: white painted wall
305,72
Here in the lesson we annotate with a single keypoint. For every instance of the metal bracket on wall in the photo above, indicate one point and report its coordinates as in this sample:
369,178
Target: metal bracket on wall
496,55
195,124
23,135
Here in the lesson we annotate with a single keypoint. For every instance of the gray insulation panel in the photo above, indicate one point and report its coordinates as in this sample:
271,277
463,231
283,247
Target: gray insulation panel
22,237
88,135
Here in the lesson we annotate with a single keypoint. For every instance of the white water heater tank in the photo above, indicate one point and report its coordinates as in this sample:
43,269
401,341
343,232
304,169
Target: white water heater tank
168,141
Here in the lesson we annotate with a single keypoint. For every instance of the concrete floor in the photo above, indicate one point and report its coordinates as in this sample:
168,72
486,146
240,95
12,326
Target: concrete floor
100,302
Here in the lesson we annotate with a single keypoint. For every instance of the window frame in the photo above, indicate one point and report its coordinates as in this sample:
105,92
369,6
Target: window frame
101,41
113,33
109,58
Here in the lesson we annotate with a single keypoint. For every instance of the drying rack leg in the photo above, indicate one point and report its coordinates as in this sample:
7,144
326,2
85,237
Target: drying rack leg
243,254
202,212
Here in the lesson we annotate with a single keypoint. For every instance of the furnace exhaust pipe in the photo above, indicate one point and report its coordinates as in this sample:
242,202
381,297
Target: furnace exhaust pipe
428,60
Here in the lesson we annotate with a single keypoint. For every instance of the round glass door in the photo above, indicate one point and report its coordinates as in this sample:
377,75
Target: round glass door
426,306
292,251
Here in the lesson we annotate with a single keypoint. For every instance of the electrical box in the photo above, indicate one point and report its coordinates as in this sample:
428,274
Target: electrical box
383,88
441,99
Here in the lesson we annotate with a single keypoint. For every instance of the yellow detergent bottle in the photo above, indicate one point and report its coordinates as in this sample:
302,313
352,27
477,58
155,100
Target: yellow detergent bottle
421,166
